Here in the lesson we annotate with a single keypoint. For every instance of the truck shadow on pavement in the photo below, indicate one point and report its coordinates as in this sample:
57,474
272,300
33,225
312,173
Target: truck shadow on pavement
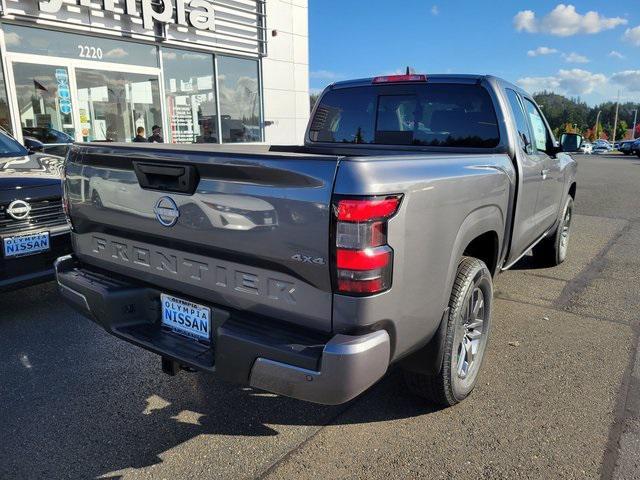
85,405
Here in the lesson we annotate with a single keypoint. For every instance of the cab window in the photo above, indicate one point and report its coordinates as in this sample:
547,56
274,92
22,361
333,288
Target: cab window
541,137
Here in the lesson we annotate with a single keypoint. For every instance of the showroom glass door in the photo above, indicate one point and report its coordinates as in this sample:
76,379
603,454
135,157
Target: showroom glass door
113,106
43,96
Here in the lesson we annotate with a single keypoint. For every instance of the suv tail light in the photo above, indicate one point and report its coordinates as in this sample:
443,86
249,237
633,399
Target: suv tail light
363,260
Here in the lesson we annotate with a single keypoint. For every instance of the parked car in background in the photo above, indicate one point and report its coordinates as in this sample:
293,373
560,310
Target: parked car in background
47,140
586,147
602,147
33,228
626,147
635,147
308,270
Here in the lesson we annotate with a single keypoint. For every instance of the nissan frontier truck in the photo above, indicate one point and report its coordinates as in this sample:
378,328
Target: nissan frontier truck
309,270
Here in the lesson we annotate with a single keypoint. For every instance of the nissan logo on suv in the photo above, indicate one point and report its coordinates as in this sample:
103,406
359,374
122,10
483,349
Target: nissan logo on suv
19,209
166,212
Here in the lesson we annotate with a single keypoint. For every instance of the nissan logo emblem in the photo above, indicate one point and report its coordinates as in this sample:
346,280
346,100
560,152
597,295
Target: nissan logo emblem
166,212
19,209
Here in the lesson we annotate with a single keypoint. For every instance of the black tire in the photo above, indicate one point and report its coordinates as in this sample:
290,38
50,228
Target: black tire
552,251
447,387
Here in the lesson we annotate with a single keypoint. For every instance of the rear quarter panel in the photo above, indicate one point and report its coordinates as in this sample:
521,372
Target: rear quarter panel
448,201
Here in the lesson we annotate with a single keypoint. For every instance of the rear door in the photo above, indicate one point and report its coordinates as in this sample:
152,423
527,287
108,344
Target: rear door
552,179
527,226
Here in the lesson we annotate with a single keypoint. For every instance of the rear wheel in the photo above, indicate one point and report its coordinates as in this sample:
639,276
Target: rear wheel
553,250
467,333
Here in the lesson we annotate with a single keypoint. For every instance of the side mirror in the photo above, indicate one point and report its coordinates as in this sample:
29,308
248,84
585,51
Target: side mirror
570,142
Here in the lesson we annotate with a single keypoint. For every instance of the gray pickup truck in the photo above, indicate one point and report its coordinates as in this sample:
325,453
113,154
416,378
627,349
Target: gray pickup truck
308,271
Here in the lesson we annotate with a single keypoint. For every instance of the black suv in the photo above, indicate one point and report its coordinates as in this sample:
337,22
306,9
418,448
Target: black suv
33,228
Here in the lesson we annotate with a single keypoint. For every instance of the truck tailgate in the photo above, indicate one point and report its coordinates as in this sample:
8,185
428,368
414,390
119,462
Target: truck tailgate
253,235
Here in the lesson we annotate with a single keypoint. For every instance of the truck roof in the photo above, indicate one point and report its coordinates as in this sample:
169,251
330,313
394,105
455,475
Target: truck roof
438,77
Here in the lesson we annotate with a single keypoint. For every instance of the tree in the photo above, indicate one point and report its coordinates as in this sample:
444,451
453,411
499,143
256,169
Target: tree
621,131
313,98
563,113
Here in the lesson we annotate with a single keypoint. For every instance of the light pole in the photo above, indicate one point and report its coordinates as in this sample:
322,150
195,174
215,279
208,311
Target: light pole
597,123
615,123
633,127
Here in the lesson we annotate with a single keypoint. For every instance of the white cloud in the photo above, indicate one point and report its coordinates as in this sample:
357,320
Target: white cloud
324,75
12,39
541,51
116,53
574,57
633,35
616,54
525,21
568,82
435,10
629,79
564,21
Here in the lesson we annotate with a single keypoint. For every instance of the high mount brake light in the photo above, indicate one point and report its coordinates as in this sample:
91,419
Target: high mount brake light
363,259
400,78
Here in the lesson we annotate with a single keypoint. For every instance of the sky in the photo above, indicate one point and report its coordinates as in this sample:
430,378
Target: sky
587,49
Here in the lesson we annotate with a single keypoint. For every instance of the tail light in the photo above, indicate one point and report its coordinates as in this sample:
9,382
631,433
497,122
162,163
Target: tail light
363,259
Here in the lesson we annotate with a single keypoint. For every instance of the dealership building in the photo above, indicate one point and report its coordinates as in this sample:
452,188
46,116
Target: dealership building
205,71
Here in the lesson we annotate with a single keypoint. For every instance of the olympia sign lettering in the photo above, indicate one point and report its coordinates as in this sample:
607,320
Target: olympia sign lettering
200,16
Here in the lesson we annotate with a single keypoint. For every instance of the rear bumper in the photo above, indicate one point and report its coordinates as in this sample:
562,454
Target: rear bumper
264,353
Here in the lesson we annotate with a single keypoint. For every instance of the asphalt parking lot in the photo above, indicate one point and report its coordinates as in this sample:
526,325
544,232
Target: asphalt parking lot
559,396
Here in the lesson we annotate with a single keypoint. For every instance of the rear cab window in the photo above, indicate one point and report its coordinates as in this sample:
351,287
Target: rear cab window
432,115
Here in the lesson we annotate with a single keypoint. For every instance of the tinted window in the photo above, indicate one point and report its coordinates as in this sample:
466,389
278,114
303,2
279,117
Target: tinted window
8,146
437,115
520,119
39,41
5,119
239,100
191,96
540,135
47,135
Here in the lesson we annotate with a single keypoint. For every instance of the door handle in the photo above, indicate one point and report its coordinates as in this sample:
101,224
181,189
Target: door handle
544,172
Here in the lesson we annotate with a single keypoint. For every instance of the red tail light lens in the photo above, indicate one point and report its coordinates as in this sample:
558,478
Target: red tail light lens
367,210
369,259
364,261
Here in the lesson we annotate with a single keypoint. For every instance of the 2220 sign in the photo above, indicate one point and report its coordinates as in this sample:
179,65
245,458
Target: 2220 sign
94,53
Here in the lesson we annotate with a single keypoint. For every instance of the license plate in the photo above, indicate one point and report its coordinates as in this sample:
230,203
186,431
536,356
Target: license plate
186,318
21,245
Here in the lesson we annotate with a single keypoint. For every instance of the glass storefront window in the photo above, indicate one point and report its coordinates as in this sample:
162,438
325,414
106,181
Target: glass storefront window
5,116
191,96
44,97
82,47
240,100
114,105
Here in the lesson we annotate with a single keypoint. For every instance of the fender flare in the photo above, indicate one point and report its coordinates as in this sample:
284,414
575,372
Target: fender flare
428,358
